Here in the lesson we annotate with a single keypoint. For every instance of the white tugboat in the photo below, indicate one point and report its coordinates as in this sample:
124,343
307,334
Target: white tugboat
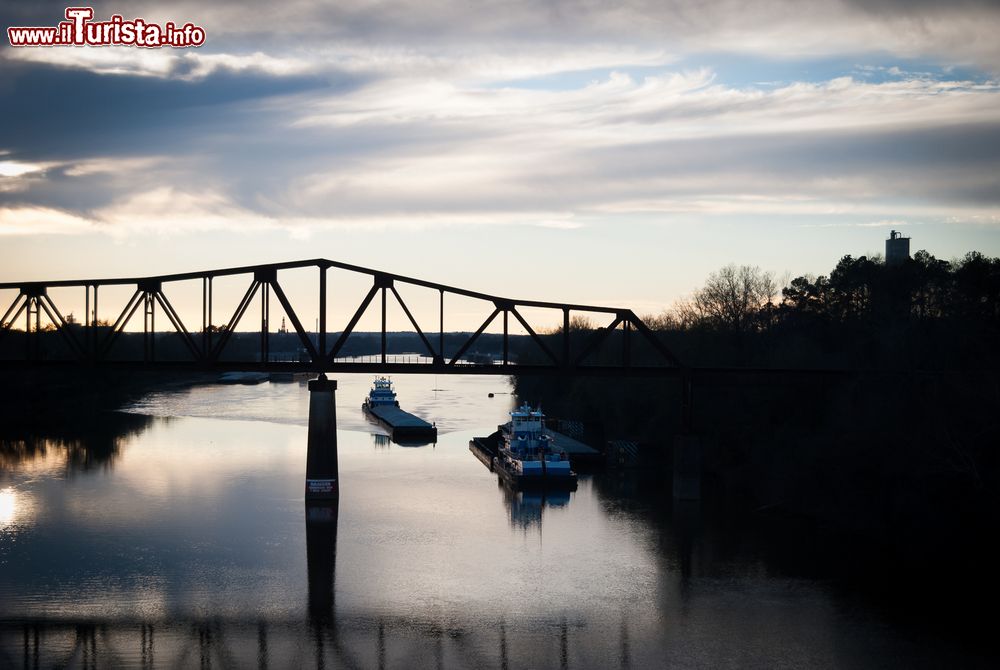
380,395
528,456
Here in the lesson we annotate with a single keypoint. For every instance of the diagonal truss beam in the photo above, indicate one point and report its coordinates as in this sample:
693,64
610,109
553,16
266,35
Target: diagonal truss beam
178,325
416,327
235,320
10,309
57,318
342,340
293,317
475,336
120,323
651,337
597,338
534,336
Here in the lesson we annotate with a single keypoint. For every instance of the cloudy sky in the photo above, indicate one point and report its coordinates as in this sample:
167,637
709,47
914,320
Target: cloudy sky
601,152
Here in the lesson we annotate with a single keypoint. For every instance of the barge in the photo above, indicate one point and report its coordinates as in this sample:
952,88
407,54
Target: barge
382,406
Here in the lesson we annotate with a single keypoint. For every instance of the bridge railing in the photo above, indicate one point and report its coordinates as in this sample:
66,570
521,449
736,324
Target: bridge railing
207,345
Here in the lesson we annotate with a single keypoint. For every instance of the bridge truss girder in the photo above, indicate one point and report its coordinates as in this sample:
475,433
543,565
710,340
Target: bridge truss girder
207,345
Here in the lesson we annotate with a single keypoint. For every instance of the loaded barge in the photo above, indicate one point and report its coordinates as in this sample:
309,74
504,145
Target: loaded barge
382,406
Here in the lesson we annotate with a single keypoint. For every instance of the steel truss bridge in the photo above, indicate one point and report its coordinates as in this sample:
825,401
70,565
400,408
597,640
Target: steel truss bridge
570,350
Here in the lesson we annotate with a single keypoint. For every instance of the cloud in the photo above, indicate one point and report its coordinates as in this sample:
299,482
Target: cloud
168,211
961,32
885,223
426,152
523,35
16,169
57,113
165,63
308,115
41,221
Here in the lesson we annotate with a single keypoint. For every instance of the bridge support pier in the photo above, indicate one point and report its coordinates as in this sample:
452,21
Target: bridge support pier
321,556
687,467
321,454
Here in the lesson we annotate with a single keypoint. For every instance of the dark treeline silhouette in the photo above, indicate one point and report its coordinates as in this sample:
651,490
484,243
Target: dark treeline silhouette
924,314
899,445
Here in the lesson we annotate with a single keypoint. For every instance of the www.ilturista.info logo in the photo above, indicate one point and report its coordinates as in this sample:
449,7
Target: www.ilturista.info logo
79,30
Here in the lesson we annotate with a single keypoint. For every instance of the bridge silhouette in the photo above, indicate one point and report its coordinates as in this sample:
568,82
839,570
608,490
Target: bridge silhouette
93,342
568,350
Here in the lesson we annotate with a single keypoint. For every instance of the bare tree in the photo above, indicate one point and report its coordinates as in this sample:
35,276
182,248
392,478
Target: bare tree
736,296
665,320
688,314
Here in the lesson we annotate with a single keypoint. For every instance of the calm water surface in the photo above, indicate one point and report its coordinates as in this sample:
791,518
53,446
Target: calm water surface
178,536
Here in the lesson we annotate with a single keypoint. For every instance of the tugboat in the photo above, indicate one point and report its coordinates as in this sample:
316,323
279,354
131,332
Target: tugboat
529,457
380,395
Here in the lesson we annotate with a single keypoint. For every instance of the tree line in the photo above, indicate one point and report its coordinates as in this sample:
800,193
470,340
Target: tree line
925,313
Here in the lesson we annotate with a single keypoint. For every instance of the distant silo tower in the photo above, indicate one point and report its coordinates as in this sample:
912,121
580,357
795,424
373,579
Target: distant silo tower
897,249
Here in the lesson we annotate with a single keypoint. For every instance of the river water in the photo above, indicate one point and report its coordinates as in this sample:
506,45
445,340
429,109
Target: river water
176,535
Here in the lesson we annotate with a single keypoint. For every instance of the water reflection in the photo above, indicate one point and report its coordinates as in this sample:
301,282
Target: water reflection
710,623
92,442
321,556
526,507
644,497
195,549
686,516
8,506
353,642
383,441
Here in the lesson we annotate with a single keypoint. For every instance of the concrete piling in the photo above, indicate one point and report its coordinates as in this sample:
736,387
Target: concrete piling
321,455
